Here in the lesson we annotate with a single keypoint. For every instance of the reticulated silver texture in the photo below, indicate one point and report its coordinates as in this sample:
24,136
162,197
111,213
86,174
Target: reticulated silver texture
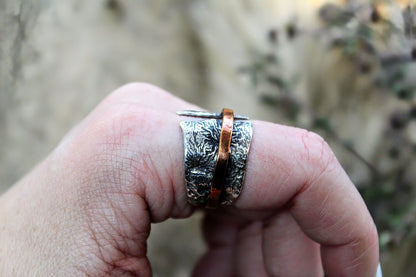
201,139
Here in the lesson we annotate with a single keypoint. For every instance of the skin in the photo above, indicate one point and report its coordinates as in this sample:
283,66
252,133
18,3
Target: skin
86,209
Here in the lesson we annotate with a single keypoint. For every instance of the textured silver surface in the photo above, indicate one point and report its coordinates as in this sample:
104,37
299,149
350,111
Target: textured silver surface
201,139
207,115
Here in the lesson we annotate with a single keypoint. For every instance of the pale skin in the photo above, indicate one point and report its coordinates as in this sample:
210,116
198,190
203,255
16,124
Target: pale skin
86,209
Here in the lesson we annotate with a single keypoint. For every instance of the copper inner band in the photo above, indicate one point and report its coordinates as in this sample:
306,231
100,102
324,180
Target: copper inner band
220,171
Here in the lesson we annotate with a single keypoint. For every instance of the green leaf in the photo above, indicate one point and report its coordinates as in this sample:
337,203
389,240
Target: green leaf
323,123
270,100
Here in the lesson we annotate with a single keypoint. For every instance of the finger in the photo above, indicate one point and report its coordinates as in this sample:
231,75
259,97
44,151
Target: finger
220,235
293,164
128,138
216,262
284,164
287,250
248,251
228,234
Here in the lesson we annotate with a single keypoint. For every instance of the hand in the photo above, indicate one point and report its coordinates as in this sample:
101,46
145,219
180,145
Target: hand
87,208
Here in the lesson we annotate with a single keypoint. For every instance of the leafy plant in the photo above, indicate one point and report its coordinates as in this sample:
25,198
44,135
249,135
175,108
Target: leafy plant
368,41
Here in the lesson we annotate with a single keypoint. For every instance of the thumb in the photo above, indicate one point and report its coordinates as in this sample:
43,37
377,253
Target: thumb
87,208
129,158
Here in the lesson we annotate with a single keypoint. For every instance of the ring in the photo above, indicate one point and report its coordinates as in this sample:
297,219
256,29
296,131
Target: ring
216,151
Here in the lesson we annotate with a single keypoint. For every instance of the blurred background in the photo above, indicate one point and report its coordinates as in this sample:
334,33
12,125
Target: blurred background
345,69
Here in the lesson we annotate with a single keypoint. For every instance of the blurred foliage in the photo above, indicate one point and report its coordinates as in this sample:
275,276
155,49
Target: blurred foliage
382,52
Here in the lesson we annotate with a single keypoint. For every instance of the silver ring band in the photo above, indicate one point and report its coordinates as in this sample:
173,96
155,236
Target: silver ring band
201,146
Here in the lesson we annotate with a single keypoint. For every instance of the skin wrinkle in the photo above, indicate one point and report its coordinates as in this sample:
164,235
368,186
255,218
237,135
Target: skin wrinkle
85,266
129,164
146,166
139,233
277,164
309,142
354,242
180,206
94,239
324,160
323,219
120,216
104,236
356,262
308,136
284,182
120,247
170,177
146,169
305,136
289,236
322,212
118,144
335,226
116,179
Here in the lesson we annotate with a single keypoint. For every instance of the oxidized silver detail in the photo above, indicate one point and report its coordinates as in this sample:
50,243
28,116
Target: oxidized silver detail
207,115
201,139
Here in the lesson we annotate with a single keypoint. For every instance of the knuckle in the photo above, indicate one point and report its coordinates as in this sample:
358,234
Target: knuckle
122,148
117,126
138,89
120,131
128,154
110,154
318,154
